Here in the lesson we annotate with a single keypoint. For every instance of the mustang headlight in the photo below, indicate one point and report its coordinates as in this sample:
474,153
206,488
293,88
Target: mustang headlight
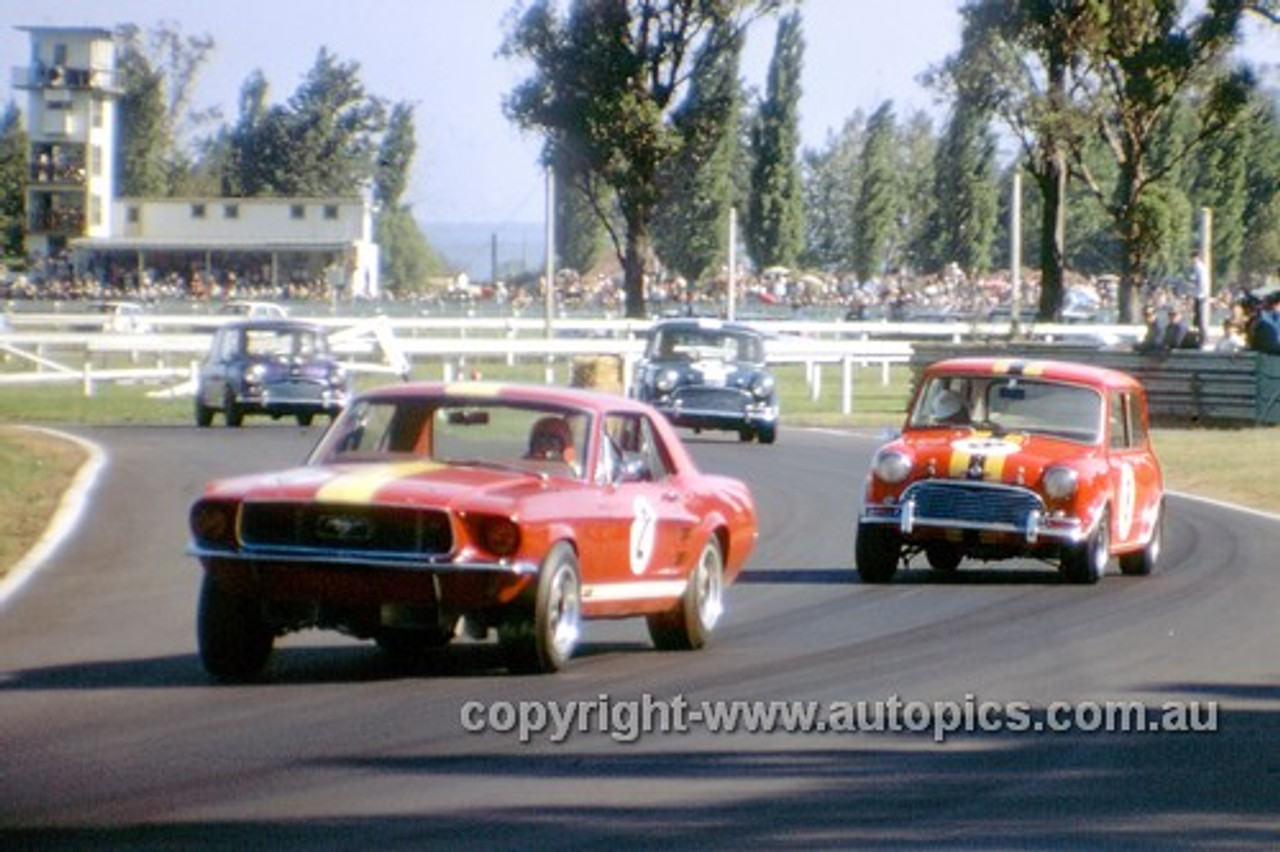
665,381
214,523
499,535
762,386
891,466
1060,482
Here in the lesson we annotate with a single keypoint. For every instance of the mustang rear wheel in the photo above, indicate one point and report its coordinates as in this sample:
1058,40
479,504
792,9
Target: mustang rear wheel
544,640
1087,562
234,639
689,625
877,551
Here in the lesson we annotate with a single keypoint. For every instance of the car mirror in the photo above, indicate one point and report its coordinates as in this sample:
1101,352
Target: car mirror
634,470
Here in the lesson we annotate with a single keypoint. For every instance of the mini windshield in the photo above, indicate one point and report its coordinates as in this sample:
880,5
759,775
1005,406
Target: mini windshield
1010,404
697,344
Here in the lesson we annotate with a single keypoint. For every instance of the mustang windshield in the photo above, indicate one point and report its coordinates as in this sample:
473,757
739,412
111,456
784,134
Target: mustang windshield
463,431
1010,404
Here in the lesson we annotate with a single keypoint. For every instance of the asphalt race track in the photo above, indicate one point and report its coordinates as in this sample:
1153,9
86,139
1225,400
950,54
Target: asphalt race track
113,737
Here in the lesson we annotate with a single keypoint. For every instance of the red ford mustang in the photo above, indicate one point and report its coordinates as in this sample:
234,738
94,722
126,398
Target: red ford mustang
1002,458
430,508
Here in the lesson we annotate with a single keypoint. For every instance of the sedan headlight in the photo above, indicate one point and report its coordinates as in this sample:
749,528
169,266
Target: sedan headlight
1060,482
891,466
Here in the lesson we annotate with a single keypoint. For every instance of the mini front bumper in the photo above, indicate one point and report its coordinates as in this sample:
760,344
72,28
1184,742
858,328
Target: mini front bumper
1036,527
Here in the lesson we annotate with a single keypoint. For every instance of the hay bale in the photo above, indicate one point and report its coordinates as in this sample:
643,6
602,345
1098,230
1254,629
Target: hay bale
598,372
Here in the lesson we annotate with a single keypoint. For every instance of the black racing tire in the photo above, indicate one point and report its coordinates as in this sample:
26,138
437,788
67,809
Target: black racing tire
234,639
1086,563
305,418
943,557
688,627
767,434
543,641
1146,561
204,414
231,409
877,551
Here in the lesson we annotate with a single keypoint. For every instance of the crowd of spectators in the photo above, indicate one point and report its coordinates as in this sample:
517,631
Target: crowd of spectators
1170,311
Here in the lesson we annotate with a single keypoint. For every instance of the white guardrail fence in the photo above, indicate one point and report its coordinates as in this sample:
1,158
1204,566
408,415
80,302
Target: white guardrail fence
45,348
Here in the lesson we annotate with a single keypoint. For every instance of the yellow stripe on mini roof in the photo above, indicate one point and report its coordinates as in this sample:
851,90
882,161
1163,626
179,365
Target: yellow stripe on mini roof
360,486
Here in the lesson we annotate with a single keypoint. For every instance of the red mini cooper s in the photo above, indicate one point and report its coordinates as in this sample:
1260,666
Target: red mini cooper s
1004,458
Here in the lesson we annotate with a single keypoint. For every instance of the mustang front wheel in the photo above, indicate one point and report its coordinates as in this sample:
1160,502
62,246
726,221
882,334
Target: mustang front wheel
689,625
544,640
234,639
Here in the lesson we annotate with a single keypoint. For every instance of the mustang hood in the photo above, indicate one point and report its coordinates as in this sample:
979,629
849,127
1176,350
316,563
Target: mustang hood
421,483
1016,457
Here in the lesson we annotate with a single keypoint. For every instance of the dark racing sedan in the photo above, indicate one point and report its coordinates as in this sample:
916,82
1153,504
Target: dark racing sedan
709,374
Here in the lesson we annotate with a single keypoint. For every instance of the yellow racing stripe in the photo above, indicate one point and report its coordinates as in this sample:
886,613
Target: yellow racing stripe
362,485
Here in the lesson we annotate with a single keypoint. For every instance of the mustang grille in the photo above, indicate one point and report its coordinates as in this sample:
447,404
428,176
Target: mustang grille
369,529
972,503
725,400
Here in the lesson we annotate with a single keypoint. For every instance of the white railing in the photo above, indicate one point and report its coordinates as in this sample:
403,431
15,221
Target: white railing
391,345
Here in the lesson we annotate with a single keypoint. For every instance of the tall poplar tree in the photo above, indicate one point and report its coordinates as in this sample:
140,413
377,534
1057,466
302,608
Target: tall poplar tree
879,200
775,221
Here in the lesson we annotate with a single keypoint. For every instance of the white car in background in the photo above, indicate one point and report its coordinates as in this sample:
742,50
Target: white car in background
254,310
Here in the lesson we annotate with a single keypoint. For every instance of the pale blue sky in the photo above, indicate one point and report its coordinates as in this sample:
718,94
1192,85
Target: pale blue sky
472,165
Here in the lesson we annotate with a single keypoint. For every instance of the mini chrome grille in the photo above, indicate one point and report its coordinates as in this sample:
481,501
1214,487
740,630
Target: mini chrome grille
367,529
723,400
972,503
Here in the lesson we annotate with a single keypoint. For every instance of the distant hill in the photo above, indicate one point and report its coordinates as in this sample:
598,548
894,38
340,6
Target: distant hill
472,247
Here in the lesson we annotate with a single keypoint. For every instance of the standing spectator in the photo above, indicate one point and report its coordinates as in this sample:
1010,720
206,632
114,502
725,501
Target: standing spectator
1265,334
1204,289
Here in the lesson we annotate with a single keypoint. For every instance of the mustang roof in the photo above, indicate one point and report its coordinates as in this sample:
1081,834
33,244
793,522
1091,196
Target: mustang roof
513,391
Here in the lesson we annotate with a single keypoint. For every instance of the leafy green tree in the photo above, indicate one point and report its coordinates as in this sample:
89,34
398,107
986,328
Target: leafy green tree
145,137
1146,59
395,157
775,223
1260,254
13,181
919,198
606,82
691,225
965,189
879,199
407,258
334,125
158,121
831,185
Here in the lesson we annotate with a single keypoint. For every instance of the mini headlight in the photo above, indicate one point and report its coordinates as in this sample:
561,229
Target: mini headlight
665,381
763,386
891,466
1060,482
255,373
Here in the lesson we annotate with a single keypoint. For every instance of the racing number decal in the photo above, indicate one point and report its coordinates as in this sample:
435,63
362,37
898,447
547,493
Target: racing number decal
1128,501
644,529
